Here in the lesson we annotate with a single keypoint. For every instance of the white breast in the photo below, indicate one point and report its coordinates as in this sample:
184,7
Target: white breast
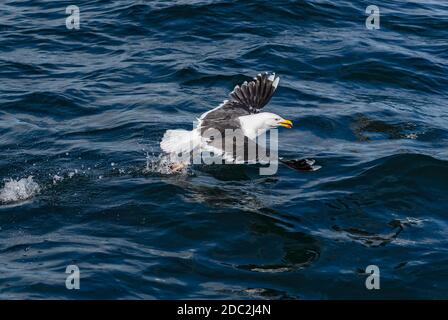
252,125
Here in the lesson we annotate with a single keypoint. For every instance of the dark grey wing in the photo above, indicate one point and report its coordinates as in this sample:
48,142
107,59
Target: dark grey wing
246,99
257,93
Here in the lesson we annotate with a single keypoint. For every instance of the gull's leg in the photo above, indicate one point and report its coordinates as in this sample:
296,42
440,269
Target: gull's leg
176,167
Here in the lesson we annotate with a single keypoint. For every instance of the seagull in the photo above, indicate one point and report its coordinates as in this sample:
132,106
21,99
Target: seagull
240,113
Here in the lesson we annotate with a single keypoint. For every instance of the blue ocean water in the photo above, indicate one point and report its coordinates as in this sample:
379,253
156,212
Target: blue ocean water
82,183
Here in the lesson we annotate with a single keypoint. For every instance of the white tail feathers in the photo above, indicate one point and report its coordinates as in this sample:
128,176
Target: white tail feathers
178,141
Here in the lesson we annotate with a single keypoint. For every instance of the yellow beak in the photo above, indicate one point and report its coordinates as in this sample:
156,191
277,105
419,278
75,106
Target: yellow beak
286,124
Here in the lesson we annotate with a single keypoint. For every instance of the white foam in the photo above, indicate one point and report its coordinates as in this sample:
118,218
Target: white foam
57,178
18,190
411,136
162,164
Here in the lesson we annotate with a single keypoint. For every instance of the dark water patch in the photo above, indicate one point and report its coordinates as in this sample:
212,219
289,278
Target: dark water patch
369,239
378,73
11,68
364,126
407,185
425,23
48,104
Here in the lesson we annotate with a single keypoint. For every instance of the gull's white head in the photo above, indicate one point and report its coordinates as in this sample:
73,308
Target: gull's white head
271,120
256,124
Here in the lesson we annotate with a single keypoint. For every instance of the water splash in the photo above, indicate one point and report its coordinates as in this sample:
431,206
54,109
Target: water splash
162,164
19,190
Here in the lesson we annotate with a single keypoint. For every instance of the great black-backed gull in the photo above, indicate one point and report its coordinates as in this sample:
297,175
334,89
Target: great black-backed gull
240,113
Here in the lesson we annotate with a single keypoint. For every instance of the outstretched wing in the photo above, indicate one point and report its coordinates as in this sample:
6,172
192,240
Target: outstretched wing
257,93
246,99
